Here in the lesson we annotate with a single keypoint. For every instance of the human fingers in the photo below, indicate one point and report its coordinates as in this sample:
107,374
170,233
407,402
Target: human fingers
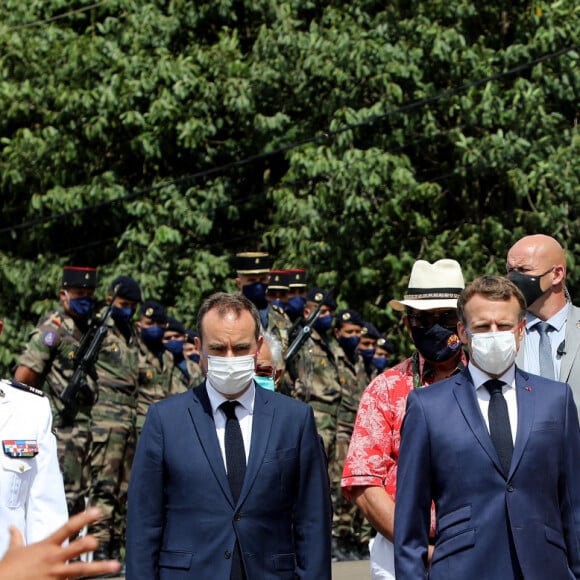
94,568
16,539
74,524
79,546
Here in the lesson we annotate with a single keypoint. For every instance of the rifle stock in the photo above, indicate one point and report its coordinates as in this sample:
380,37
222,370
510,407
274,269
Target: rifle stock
305,331
78,392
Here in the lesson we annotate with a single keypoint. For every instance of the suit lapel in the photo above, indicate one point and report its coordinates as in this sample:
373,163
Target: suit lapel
204,425
526,403
261,426
572,343
464,392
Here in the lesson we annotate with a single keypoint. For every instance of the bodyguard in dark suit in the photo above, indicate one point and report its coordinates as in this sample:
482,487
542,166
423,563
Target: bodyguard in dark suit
498,451
239,491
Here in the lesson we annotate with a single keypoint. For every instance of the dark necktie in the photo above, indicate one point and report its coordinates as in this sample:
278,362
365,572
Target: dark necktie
499,424
235,453
546,357
236,466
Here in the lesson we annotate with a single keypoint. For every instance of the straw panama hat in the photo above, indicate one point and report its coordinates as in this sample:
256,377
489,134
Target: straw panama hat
431,286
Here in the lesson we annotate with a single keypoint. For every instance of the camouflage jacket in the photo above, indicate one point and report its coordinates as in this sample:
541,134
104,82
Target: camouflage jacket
117,365
318,379
50,352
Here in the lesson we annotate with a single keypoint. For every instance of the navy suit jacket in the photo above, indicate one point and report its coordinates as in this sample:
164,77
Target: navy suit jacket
486,520
182,519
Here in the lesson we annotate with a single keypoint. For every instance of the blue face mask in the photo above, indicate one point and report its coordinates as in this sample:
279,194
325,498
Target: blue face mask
122,315
295,307
195,357
380,362
323,323
82,307
265,382
256,293
367,354
175,346
349,343
153,336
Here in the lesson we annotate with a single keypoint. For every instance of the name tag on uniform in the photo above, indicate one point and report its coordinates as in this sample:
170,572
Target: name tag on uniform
20,447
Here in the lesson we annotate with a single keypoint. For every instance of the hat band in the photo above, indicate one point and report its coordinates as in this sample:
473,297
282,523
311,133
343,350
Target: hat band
432,293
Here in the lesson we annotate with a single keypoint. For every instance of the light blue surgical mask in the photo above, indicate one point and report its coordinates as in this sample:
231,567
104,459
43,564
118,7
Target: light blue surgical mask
265,382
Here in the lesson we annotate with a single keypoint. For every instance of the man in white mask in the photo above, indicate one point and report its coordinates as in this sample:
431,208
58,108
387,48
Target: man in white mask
498,452
229,480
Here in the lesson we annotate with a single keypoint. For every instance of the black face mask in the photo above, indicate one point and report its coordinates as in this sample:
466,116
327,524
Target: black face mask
529,285
436,344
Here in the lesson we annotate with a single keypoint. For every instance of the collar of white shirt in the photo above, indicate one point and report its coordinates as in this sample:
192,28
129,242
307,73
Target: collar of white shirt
246,400
479,377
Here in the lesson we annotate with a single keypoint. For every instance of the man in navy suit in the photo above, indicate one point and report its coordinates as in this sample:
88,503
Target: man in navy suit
199,510
498,452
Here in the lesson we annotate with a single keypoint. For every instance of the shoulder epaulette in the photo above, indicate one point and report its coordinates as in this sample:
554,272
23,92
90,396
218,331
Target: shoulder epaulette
25,388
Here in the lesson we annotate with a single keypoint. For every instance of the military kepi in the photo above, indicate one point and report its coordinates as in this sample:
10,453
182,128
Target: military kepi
76,277
252,263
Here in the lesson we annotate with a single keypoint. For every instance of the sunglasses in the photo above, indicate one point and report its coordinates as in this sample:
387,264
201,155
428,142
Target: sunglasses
264,371
429,319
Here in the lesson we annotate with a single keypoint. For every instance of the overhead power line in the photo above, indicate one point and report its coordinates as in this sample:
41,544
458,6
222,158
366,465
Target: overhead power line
313,139
58,16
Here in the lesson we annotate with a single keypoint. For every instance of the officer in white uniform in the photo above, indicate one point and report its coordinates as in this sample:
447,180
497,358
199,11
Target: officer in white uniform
31,488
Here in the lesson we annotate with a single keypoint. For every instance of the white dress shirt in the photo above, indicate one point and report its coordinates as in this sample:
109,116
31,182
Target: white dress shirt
508,391
244,413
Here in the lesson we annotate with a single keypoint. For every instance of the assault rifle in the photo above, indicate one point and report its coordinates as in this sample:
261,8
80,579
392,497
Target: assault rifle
304,330
78,393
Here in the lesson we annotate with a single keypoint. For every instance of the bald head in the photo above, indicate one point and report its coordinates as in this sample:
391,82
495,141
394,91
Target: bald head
539,249
541,259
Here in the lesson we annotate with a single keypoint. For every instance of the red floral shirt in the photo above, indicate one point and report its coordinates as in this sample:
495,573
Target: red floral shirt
374,447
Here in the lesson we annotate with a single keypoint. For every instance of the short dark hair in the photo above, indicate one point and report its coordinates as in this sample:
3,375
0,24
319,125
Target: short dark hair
224,303
492,288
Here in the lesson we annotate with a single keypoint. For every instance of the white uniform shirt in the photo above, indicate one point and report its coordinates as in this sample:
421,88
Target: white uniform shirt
31,489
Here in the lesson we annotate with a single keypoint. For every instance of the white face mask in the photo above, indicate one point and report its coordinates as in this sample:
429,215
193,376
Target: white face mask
230,375
493,352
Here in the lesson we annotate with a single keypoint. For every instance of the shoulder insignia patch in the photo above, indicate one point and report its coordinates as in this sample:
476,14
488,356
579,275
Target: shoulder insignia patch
20,447
57,320
49,338
27,388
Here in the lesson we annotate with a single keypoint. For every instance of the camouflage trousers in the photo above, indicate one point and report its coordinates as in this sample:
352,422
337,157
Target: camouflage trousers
111,458
73,448
348,523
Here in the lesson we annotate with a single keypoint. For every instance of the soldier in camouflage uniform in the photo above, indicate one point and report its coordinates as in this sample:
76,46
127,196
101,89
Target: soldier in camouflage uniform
185,373
297,294
155,362
316,374
253,277
350,532
113,418
48,363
